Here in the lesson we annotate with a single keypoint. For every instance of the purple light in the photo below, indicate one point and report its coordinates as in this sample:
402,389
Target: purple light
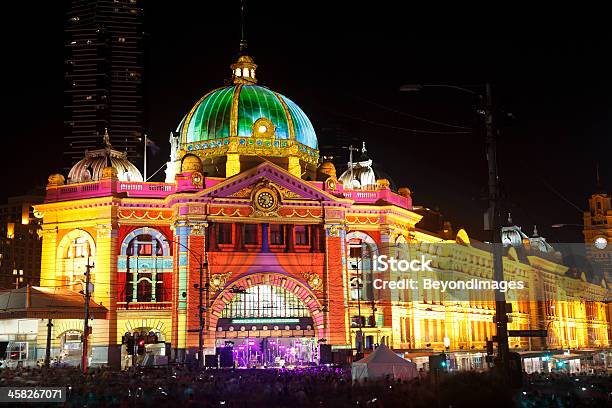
241,348
251,343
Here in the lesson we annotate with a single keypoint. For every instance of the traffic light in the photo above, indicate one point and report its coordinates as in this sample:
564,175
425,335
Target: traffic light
130,345
438,362
489,347
141,346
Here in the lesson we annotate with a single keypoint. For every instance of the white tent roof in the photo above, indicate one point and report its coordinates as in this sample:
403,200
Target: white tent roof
383,362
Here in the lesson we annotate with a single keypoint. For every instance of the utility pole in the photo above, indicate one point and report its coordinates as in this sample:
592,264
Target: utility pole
48,349
86,321
501,318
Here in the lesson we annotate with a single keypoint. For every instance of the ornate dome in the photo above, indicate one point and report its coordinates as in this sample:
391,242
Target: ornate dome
93,166
359,174
236,127
247,111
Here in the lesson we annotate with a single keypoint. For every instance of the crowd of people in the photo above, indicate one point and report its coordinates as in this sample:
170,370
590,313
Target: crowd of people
308,387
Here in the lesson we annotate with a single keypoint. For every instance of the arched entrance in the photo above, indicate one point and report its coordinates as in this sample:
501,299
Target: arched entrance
71,347
268,320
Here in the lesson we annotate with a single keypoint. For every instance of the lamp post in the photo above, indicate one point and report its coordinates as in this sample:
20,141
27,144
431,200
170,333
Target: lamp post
501,317
203,264
18,274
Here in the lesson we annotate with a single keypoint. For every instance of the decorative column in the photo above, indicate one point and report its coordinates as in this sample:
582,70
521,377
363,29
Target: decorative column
48,255
337,320
232,165
189,251
106,344
179,314
196,244
294,166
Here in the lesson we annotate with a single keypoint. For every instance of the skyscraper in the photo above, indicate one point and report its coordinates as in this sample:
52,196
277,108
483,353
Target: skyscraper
103,76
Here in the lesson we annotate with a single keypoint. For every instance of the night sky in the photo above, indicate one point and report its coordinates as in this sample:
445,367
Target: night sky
344,69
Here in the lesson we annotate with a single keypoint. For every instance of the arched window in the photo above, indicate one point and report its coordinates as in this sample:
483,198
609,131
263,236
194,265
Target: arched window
145,264
79,248
74,251
238,72
361,248
245,71
265,301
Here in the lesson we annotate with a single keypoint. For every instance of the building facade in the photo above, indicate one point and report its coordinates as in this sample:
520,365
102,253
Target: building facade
277,252
103,76
20,244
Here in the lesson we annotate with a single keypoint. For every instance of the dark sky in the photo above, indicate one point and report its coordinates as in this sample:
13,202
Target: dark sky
344,68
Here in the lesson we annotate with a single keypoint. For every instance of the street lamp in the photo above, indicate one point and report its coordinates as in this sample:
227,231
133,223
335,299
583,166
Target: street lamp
203,264
18,274
501,318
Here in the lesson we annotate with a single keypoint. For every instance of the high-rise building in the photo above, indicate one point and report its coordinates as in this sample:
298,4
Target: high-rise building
103,76
20,244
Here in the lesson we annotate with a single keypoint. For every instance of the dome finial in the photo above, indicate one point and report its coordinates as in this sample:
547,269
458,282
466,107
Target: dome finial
243,70
106,139
535,231
243,41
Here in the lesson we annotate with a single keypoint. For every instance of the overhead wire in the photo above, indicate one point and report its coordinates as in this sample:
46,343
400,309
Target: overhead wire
435,122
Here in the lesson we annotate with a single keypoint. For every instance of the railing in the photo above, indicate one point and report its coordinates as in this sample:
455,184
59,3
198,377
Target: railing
106,188
372,196
144,305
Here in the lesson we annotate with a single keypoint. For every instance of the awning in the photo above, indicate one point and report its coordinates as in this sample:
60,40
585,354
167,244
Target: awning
34,302
566,356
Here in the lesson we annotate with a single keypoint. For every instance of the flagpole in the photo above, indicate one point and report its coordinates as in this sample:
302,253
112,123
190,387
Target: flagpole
145,158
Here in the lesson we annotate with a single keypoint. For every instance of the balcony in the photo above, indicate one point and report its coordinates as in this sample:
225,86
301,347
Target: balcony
104,188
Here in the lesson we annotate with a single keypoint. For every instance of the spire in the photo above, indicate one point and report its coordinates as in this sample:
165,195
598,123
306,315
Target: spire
243,70
535,231
243,41
106,139
509,219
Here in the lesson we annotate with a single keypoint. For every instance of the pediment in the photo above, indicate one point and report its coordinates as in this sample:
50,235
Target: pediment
289,187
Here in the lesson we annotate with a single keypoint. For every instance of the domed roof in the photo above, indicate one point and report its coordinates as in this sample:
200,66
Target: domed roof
92,167
245,110
359,174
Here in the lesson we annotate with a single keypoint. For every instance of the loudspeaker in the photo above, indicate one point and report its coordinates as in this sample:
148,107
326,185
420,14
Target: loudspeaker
211,361
325,354
226,358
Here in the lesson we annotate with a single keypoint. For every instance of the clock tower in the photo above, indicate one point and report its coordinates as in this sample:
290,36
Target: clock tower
598,232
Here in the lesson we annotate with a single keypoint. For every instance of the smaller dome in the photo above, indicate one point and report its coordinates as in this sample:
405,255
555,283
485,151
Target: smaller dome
56,180
404,192
325,170
245,58
191,163
382,184
96,162
359,174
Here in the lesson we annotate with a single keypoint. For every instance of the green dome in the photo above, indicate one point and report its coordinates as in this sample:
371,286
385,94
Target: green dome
233,111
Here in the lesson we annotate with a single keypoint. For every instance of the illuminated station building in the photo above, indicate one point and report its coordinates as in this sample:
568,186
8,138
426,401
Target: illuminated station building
283,245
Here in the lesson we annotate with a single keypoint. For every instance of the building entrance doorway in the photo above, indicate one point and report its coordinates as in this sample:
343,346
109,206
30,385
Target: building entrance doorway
267,326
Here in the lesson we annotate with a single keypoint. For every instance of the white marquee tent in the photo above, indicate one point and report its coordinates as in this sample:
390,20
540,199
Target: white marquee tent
383,362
